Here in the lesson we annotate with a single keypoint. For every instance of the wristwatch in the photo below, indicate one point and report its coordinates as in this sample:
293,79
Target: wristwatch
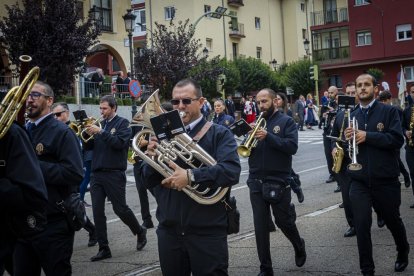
191,175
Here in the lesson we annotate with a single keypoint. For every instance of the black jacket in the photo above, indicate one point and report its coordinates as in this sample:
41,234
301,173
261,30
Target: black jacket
58,151
273,155
180,214
111,146
378,155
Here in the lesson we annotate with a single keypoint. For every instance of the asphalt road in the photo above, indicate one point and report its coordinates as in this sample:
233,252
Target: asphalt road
319,220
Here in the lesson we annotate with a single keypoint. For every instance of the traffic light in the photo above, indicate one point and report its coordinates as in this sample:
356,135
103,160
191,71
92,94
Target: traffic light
234,25
313,72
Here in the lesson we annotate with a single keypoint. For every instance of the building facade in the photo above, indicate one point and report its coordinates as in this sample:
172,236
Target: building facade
350,37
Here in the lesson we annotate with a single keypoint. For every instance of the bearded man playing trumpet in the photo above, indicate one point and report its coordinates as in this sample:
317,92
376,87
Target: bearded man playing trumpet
192,236
375,181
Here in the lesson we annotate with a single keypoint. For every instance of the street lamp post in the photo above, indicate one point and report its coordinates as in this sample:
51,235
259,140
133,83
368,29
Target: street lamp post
205,52
306,46
274,64
129,20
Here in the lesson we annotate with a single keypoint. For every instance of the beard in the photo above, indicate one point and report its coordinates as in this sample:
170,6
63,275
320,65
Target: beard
33,112
267,113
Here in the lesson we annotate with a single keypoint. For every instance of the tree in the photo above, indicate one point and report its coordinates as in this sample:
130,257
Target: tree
378,74
175,52
54,34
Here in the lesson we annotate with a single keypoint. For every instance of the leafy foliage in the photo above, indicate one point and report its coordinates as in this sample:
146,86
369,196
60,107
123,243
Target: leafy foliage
174,54
378,74
53,34
254,74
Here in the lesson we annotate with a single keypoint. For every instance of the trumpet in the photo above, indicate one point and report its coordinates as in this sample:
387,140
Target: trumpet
245,149
84,135
353,147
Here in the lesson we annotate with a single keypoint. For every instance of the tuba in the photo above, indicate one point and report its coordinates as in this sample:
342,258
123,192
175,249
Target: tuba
16,98
181,147
245,148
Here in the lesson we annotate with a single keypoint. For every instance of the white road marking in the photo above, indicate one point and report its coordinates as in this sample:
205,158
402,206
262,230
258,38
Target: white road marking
322,211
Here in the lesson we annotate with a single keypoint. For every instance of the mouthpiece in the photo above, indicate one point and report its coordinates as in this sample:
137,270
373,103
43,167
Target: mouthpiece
182,113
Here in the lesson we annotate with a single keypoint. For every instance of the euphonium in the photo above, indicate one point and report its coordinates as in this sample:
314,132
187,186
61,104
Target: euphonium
353,148
180,146
16,98
410,141
77,128
245,149
84,135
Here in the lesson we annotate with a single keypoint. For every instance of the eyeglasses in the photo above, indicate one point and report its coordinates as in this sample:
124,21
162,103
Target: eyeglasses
57,114
185,101
36,95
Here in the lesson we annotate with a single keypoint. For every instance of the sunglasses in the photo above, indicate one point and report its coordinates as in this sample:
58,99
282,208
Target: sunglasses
36,95
57,114
185,101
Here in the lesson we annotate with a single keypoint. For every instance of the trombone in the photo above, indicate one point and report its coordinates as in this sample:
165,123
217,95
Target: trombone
245,149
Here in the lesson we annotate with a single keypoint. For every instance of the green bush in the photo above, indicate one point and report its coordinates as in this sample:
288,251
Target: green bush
119,102
90,101
70,100
127,101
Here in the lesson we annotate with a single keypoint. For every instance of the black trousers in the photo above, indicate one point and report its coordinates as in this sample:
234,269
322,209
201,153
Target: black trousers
409,157
142,192
285,217
50,250
387,199
112,185
327,146
301,122
344,181
196,254
7,243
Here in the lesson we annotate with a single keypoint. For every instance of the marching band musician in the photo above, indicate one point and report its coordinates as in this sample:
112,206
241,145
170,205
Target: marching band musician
108,175
270,165
192,237
220,117
344,181
407,125
378,137
61,165
332,91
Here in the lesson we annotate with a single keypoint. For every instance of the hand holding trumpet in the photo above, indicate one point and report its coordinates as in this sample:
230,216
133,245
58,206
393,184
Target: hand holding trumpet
360,135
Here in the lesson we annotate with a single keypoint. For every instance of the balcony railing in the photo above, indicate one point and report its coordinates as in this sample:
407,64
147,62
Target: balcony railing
238,33
235,3
7,82
331,55
329,16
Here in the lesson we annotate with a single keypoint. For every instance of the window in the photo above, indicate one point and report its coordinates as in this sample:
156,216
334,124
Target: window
302,7
105,11
141,25
409,73
209,44
364,38
207,8
234,47
304,32
169,13
257,23
404,32
361,2
258,52
335,80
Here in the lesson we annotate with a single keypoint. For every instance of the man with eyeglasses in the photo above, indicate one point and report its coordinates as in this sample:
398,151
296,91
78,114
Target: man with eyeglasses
108,179
54,145
61,112
192,237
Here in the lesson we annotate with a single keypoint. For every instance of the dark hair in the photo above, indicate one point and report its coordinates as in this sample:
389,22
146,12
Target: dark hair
110,100
167,106
349,84
48,89
194,83
285,100
384,95
62,104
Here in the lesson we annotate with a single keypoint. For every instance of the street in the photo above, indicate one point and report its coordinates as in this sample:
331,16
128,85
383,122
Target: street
320,222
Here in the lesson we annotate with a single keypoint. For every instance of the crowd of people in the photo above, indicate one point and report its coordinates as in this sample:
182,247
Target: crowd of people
192,236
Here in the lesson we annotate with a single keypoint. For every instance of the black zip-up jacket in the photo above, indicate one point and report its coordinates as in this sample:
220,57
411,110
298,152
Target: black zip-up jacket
58,151
406,120
273,155
378,155
177,212
111,146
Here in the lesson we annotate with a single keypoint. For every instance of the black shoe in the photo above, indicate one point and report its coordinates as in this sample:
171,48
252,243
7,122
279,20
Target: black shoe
407,181
142,238
272,227
412,206
104,253
350,232
341,205
300,255
338,189
368,273
263,273
300,195
402,261
330,179
380,222
92,239
148,224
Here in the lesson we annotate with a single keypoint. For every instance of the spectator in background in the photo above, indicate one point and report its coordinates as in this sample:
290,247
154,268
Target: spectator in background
231,109
220,116
127,80
120,88
206,109
98,79
250,110
324,108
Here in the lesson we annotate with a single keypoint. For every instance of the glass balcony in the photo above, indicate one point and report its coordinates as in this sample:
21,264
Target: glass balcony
332,55
329,16
235,3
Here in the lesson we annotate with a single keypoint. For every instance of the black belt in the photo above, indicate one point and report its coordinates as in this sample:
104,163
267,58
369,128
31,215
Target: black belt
109,170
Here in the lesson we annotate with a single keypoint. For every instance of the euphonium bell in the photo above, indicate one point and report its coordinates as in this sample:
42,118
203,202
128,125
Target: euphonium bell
77,128
244,150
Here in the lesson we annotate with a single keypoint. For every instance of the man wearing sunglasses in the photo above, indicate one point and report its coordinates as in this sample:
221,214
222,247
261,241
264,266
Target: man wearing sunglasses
54,145
192,237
